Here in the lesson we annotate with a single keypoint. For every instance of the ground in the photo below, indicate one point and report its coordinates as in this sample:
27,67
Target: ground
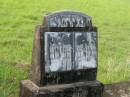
18,19
117,90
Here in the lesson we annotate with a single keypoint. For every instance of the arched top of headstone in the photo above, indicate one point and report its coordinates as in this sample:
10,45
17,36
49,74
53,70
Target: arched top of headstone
68,19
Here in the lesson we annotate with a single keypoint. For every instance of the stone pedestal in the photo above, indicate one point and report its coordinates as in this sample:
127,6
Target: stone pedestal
78,89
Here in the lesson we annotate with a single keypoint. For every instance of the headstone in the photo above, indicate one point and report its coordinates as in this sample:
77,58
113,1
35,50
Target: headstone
64,62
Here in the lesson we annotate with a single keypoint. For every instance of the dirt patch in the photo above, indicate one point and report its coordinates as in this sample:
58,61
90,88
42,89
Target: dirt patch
23,66
117,90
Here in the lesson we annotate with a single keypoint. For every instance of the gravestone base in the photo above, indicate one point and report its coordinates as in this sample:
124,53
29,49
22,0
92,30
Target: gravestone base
78,89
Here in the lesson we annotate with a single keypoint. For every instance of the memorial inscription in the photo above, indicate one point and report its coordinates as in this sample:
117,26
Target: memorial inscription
68,19
58,50
70,51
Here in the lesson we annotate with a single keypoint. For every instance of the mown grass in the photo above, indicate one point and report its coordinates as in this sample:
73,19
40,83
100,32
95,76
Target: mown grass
18,19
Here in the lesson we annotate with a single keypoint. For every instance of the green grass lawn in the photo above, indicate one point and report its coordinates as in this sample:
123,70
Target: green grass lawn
18,19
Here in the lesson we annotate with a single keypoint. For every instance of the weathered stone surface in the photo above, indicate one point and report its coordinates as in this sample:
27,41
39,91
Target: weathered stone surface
37,70
112,90
69,76
79,89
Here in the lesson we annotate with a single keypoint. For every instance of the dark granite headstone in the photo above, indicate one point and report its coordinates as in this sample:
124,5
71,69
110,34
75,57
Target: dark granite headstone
64,58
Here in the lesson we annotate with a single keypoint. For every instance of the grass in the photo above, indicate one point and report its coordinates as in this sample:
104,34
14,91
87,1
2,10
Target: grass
18,19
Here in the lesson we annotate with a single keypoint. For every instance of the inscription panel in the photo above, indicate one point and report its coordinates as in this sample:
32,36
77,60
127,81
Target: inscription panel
69,21
66,51
58,50
85,50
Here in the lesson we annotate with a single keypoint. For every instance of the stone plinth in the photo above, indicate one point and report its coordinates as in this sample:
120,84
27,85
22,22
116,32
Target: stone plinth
78,89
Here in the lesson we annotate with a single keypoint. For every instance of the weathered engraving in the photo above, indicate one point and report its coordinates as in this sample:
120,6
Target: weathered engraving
70,50
85,50
69,20
58,50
